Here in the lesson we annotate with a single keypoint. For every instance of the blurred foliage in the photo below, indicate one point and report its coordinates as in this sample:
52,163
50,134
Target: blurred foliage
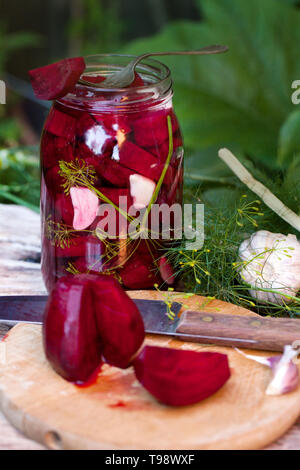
242,99
96,26
11,42
19,177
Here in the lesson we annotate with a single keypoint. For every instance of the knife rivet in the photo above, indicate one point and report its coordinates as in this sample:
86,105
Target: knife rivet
208,319
255,323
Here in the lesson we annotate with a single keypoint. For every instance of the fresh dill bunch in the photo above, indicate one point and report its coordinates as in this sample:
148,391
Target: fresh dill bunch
76,173
212,270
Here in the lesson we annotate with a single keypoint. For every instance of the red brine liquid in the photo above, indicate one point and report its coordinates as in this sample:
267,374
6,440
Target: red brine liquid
103,153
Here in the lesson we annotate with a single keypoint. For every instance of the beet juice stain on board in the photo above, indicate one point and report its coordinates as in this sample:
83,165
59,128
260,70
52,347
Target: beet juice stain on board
99,145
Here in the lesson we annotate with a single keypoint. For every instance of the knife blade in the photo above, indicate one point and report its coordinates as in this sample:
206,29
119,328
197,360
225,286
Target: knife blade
30,308
251,332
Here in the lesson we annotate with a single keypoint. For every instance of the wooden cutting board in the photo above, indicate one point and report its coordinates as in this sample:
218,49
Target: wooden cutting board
117,413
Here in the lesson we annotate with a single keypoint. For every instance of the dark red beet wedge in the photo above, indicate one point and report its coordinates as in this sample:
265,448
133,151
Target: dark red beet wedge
119,322
111,171
139,272
71,338
61,124
54,149
152,129
64,211
166,271
177,377
142,162
56,80
138,81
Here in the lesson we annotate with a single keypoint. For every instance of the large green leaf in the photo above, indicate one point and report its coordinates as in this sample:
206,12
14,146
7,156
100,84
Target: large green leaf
241,98
289,138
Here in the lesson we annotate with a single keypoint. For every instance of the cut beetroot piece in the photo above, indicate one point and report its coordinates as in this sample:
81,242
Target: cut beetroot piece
140,161
93,78
64,211
61,124
86,204
166,271
87,265
84,123
138,81
83,246
119,322
111,171
177,377
162,151
151,130
54,182
54,149
71,339
139,272
114,194
56,80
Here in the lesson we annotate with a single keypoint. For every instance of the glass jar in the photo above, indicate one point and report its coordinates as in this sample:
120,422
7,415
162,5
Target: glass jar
102,149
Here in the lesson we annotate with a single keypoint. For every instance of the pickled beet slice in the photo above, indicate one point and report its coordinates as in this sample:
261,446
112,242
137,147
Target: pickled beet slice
140,161
64,211
71,339
54,182
139,272
177,377
138,81
119,322
54,149
111,171
56,80
162,151
166,271
79,246
61,124
114,194
152,129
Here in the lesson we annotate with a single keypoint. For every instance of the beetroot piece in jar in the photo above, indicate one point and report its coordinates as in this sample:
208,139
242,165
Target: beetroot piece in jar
111,171
139,272
54,149
64,211
142,162
115,143
61,124
152,128
54,181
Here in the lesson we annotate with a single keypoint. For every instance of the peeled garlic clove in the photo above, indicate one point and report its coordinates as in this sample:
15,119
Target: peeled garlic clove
85,204
285,372
141,190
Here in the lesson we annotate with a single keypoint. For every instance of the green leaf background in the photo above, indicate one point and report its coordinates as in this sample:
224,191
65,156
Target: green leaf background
242,99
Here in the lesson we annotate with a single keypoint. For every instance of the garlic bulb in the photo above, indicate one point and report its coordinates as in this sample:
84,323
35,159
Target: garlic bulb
271,261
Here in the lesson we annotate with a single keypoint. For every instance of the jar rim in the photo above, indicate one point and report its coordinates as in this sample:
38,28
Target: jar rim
157,88
152,63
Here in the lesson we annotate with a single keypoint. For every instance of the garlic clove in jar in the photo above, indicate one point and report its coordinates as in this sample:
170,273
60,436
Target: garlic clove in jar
271,261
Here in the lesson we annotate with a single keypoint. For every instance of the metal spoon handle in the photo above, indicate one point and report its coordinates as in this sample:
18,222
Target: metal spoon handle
203,51
125,76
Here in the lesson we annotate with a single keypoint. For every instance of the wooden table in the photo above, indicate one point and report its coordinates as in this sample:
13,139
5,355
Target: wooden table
20,274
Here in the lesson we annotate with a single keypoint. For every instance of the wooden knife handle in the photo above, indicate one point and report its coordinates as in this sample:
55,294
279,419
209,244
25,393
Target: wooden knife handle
267,334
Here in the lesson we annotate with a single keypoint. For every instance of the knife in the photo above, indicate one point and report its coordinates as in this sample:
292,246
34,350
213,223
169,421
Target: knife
269,334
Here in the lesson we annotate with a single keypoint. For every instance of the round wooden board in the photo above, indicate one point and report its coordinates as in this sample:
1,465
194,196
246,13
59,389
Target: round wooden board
117,413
